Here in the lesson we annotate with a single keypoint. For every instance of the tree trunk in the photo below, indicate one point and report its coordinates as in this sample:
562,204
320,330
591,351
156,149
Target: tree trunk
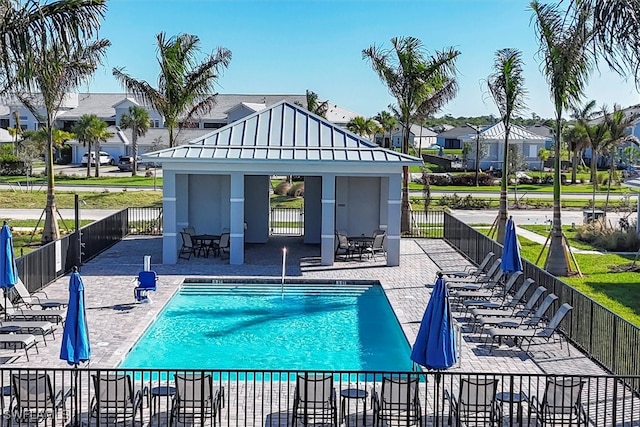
134,149
51,231
88,160
502,211
97,151
574,167
594,169
171,141
405,219
557,262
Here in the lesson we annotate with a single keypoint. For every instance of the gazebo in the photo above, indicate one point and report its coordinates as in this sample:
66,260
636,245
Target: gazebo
222,180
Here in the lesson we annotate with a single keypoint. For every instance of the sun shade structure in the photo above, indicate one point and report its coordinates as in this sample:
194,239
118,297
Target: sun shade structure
222,180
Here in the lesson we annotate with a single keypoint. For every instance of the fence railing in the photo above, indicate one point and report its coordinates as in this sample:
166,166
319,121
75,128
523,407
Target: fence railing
290,398
428,224
603,335
286,221
44,265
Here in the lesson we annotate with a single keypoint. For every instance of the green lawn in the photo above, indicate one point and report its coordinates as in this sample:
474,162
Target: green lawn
617,291
112,181
65,200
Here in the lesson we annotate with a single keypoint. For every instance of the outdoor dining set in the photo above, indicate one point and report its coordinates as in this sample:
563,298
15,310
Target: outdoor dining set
348,247
203,245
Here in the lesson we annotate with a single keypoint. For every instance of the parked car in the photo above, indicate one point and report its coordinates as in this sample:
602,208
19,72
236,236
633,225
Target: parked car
125,163
105,159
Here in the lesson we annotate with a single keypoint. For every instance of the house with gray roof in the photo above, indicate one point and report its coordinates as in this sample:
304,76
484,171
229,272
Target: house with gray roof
452,138
111,106
491,143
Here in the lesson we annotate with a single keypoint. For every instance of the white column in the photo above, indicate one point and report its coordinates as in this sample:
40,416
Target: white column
236,203
393,220
327,250
182,203
170,245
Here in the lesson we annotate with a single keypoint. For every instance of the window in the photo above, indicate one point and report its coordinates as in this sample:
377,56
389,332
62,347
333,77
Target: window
213,125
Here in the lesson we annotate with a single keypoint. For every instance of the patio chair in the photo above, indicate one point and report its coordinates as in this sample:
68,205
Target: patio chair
398,402
529,334
343,247
189,247
190,230
512,309
377,246
487,292
492,278
471,270
480,277
561,403
22,341
500,303
222,246
315,400
476,403
35,399
31,327
34,299
196,399
114,399
520,321
19,313
146,282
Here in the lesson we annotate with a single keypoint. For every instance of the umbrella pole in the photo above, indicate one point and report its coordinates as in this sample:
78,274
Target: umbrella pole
4,291
75,423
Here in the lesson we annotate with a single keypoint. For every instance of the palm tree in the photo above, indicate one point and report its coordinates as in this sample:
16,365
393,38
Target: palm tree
617,125
83,130
54,73
388,123
100,134
315,106
583,116
577,140
420,84
185,86
363,126
506,85
31,23
566,64
137,119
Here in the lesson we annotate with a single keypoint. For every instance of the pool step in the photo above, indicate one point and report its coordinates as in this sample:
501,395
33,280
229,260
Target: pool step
271,289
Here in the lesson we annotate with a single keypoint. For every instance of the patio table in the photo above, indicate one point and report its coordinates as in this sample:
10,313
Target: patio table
360,243
206,240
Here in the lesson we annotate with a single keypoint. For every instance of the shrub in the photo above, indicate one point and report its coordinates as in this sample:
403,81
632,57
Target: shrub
600,177
296,190
609,239
282,189
467,202
439,179
469,179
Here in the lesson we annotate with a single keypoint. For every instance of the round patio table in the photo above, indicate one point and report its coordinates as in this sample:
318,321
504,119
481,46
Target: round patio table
353,393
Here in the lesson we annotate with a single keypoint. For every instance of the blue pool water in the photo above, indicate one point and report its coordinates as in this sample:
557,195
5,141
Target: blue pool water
221,326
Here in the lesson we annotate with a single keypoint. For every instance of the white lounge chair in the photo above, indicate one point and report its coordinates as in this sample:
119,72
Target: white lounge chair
471,270
31,327
18,313
38,298
16,341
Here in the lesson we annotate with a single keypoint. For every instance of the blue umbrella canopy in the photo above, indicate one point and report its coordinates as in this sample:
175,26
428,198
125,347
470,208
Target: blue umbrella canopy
511,260
75,337
8,270
435,346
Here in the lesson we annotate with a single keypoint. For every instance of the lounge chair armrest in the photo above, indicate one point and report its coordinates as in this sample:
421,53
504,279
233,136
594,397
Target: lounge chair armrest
39,292
452,400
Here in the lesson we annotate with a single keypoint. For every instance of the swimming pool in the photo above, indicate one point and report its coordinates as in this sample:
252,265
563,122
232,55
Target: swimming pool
257,327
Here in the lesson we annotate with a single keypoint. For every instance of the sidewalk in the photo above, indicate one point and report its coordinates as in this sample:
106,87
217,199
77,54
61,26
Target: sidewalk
535,237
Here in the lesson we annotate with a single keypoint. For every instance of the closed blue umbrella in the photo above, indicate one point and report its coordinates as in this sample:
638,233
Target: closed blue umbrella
75,337
435,346
511,260
8,270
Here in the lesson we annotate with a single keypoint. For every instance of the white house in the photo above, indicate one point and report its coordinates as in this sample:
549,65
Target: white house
418,137
492,145
221,180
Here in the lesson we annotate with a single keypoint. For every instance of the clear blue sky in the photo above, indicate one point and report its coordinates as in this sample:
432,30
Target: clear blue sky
286,47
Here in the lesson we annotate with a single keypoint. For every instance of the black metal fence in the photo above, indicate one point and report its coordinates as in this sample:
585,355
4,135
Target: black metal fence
428,224
603,335
291,398
44,265
286,221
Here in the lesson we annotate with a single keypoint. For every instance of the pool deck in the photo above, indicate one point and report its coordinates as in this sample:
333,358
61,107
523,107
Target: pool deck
116,321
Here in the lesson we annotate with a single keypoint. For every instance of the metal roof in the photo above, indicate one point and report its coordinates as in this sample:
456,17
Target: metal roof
516,133
283,132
